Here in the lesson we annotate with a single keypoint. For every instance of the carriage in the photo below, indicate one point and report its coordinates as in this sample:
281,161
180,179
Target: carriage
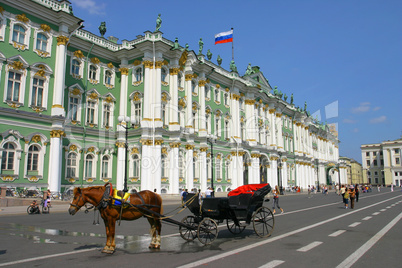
243,206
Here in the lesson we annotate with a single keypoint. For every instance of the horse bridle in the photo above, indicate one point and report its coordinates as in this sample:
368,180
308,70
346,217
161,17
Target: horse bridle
98,206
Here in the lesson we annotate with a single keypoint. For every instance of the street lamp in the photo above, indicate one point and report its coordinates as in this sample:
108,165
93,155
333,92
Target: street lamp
129,124
318,176
279,173
339,177
211,141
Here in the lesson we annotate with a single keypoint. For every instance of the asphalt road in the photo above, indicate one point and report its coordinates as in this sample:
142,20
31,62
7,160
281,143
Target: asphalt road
313,232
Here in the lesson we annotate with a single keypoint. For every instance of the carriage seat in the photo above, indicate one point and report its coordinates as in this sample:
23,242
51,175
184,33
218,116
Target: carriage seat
119,197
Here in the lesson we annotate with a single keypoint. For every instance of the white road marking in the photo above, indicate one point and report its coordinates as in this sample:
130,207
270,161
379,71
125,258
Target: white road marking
388,207
272,264
375,213
349,261
337,233
309,246
273,239
382,210
48,256
354,224
366,218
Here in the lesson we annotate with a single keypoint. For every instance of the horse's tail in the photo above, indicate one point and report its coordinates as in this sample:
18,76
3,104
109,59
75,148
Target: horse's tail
161,202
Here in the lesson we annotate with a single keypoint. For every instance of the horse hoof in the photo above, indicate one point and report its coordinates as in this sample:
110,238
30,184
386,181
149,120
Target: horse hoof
154,246
108,250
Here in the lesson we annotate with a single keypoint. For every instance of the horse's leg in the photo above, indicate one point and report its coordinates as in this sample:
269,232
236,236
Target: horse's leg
110,232
152,232
158,224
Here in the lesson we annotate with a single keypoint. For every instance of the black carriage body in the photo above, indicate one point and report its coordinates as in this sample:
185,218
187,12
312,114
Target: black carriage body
237,208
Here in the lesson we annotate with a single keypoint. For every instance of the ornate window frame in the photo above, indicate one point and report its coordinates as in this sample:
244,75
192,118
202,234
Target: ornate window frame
78,56
138,80
48,52
18,65
23,23
92,96
108,100
109,68
137,99
77,150
40,71
75,91
14,137
165,82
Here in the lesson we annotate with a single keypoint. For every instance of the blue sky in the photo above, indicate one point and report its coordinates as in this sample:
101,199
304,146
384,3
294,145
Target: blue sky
343,57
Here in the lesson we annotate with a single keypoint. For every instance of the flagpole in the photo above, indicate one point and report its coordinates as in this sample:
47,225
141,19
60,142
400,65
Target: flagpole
232,46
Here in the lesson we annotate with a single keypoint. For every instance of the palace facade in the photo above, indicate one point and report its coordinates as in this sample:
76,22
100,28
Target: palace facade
188,120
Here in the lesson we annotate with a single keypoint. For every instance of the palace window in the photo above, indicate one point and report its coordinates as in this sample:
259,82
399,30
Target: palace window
92,72
89,161
138,74
41,42
226,99
105,166
75,67
208,123
136,166
226,130
207,93
8,156
108,78
163,75
193,88
180,79
196,170
14,85
33,158
37,92
218,168
73,108
91,112
181,165
164,166
106,115
218,126
18,34
72,165
217,95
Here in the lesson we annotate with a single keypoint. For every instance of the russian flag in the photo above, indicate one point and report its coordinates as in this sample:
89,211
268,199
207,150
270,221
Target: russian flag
225,37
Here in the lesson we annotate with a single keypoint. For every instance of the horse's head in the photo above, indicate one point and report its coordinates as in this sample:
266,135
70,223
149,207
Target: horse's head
78,201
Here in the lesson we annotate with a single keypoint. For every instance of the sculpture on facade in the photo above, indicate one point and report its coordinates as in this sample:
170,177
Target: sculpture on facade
158,23
249,70
275,91
187,47
102,28
201,44
285,97
291,99
219,60
233,67
209,55
176,44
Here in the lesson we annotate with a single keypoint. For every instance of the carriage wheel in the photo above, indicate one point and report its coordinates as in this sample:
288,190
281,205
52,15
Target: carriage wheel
45,209
188,233
207,231
233,228
263,222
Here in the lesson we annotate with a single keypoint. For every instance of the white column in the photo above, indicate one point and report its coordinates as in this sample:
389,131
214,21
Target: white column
235,116
203,168
254,176
156,183
201,96
121,165
250,121
279,129
272,121
157,95
59,77
189,96
274,171
146,165
55,160
174,168
189,167
148,96
173,109
284,173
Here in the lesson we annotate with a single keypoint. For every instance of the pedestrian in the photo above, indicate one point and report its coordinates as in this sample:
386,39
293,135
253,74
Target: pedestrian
47,201
184,197
275,192
208,192
357,192
352,195
309,191
346,198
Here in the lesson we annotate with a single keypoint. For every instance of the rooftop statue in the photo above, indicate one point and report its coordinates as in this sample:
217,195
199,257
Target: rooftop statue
305,106
158,23
285,97
102,28
187,47
233,67
201,44
219,60
249,70
276,91
209,55
291,99
176,44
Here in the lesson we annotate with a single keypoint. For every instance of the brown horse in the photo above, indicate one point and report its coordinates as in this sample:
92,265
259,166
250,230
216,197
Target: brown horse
136,208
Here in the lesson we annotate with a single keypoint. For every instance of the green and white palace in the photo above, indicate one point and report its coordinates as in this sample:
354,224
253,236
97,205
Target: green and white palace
189,120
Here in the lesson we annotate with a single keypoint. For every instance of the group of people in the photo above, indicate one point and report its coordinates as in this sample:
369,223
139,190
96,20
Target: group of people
351,193
35,204
207,194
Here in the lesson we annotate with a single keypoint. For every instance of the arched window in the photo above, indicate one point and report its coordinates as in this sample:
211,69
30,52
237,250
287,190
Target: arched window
193,87
108,77
216,96
138,74
181,165
92,72
18,34
41,42
164,166
75,67
37,92
89,160
207,92
163,75
105,166
196,170
218,168
7,161
33,157
136,166
179,79
71,165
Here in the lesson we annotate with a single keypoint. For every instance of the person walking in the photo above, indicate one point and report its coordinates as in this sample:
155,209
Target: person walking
357,192
275,192
352,195
184,197
346,198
